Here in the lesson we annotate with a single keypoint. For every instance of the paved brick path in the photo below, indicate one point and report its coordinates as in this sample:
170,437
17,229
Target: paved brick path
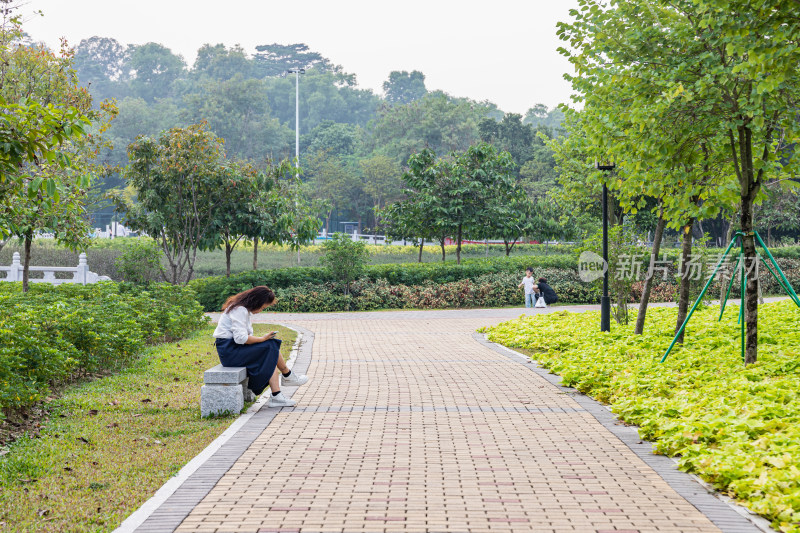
411,424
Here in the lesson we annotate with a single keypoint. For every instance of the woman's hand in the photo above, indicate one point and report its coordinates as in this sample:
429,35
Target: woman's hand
251,339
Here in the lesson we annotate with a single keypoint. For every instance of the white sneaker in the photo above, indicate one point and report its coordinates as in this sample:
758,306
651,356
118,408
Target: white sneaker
294,380
279,400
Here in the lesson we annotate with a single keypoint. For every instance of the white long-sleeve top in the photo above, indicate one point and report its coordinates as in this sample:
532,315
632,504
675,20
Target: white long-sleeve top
235,324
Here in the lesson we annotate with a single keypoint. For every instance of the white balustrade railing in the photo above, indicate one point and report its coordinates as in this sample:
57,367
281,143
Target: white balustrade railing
80,274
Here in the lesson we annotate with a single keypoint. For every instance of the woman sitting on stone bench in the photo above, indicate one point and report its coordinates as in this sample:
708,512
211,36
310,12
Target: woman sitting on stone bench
237,346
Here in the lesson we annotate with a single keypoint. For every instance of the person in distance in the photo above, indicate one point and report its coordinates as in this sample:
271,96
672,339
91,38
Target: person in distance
544,290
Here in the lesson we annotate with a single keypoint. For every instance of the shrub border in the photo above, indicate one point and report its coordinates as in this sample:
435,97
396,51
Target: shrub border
723,513
178,497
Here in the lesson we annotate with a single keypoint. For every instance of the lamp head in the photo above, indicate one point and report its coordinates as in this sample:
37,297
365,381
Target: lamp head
604,165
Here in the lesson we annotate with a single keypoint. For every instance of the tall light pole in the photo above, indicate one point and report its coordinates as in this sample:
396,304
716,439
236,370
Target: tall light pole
605,300
297,72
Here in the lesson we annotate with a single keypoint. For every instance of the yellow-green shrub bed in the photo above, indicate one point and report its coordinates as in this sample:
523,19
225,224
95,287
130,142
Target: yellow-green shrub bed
736,427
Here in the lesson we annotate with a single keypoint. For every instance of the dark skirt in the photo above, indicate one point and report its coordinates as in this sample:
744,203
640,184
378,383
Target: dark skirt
260,360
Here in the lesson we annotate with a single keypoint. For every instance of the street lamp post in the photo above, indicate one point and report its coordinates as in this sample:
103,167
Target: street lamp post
297,72
605,300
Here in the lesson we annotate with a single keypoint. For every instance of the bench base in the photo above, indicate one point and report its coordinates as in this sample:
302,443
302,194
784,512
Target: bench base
219,399
226,390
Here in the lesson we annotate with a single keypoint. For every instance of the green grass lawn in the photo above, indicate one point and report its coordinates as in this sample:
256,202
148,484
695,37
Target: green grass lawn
102,255
109,444
212,263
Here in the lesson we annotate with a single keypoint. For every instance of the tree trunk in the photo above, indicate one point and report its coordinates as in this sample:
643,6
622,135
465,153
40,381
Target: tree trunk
228,251
441,243
170,259
751,290
26,264
421,244
458,245
685,283
508,250
750,184
190,272
255,253
648,282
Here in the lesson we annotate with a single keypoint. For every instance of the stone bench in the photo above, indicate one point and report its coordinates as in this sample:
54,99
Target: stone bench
225,390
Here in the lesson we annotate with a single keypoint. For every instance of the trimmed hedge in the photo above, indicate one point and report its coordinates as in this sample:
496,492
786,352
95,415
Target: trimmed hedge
212,291
489,290
53,334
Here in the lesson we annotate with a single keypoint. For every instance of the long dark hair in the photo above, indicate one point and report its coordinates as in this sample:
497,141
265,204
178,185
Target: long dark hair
251,299
542,280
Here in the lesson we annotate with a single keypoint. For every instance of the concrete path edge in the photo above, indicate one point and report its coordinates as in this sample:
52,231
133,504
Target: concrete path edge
722,511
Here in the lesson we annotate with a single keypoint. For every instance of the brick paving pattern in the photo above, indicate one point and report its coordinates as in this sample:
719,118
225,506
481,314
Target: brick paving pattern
410,424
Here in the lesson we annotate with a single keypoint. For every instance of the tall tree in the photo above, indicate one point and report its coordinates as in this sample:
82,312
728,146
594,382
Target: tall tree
177,177
381,181
404,87
708,62
238,211
334,138
236,110
780,211
436,121
61,212
45,177
461,191
221,63
100,65
263,205
275,59
418,216
539,116
511,135
154,70
331,180
324,95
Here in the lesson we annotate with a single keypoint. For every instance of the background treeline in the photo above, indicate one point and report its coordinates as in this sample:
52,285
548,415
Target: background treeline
353,144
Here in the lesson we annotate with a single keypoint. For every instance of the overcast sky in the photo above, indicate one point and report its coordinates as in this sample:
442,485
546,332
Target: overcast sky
502,50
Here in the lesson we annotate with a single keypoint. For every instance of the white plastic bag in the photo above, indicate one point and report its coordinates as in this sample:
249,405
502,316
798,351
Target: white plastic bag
540,302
